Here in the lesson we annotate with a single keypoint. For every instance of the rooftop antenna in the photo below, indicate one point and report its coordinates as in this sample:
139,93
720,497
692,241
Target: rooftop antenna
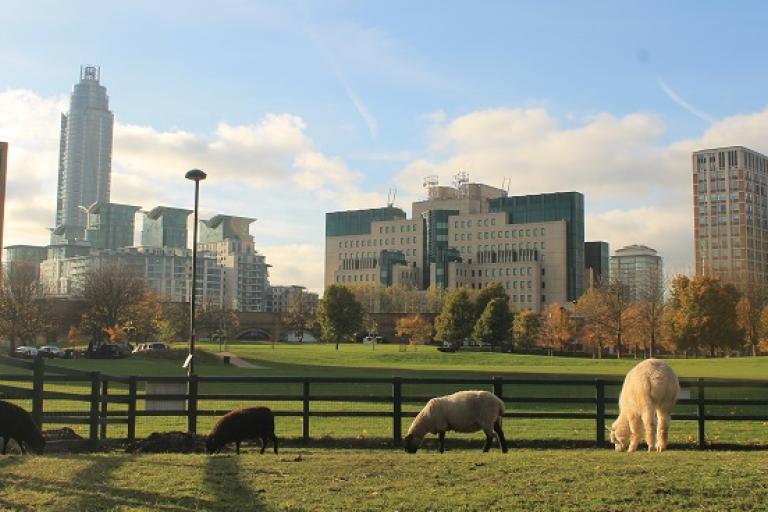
391,197
460,179
430,183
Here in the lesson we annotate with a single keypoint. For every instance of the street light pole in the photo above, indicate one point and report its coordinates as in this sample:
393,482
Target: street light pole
197,176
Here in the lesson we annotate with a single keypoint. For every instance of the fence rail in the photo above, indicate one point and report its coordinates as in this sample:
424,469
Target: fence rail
99,416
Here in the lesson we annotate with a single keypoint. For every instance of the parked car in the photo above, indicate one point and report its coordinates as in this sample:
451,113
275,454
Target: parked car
105,351
50,351
447,347
155,345
373,339
25,351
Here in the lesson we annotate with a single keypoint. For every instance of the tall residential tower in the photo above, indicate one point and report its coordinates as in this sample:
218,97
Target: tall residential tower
85,154
730,214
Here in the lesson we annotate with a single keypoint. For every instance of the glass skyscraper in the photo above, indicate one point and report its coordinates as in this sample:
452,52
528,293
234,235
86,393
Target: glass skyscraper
85,153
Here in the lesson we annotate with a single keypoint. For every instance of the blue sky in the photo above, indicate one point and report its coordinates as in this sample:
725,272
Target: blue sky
384,90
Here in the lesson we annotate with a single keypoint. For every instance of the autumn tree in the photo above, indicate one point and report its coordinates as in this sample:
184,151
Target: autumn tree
109,294
702,314
526,328
645,317
556,326
604,310
20,315
174,324
417,328
749,313
340,315
494,323
457,318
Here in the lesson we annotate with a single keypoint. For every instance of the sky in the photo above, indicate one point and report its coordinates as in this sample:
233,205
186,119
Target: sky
297,108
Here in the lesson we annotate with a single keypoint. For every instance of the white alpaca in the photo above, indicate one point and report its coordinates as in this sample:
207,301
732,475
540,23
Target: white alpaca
649,392
465,411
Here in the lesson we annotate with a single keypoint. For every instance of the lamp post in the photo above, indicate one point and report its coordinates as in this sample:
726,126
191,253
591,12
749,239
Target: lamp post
197,176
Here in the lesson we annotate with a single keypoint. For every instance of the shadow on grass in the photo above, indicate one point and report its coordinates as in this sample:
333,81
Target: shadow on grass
222,479
94,488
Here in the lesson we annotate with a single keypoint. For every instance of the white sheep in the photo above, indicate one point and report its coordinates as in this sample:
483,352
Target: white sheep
649,392
465,411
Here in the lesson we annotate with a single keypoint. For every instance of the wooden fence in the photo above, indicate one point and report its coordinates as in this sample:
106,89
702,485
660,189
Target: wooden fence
99,415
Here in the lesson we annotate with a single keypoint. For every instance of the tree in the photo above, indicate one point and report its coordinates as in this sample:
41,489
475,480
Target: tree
457,318
702,314
416,328
20,315
487,294
435,298
604,312
300,316
340,315
494,323
556,326
109,294
174,325
526,328
146,317
749,310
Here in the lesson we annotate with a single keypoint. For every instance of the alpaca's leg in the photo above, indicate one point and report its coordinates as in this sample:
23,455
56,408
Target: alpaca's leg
5,444
663,435
489,435
649,424
274,440
237,447
500,435
263,445
635,432
21,447
441,440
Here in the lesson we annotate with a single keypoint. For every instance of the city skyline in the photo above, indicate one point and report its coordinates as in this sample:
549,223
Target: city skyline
380,114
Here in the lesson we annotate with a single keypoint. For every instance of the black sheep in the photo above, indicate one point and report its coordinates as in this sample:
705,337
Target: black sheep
17,424
242,424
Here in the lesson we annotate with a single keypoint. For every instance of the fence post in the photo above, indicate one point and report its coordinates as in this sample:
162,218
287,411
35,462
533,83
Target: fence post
93,436
498,387
192,404
397,411
38,382
104,405
305,412
131,409
600,412
701,413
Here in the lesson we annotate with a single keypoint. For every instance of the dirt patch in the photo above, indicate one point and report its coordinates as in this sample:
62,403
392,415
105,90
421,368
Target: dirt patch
62,434
170,442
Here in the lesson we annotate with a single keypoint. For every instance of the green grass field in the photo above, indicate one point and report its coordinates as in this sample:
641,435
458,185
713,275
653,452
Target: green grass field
387,360
327,479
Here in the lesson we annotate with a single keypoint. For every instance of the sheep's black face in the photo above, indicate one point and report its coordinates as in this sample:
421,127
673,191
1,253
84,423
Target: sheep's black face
37,445
411,444
210,445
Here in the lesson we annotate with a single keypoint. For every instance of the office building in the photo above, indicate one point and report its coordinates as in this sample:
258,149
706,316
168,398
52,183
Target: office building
469,235
730,195
596,263
640,271
85,155
282,298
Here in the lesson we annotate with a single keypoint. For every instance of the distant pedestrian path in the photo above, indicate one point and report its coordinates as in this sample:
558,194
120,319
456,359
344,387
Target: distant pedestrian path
239,362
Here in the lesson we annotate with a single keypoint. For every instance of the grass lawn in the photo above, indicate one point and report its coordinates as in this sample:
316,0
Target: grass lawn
328,479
